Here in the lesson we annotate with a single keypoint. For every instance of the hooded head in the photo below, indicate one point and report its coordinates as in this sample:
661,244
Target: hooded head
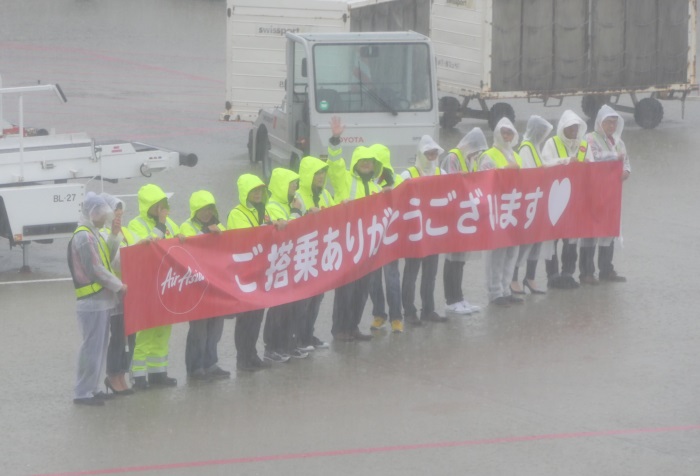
569,119
148,196
308,167
362,169
614,122
383,155
280,180
505,128
473,143
537,130
200,200
246,184
427,155
95,211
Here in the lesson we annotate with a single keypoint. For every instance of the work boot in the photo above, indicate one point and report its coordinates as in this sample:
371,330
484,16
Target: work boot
161,379
140,383
377,323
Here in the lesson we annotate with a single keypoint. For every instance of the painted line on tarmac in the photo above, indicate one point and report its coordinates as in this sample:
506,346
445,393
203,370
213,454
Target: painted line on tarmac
52,280
382,449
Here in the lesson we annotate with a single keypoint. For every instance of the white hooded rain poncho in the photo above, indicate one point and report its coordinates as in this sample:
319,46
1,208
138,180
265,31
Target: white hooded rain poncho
486,162
536,132
550,156
472,144
425,167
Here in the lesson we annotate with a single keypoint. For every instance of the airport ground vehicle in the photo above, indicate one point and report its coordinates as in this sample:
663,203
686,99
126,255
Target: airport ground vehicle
40,197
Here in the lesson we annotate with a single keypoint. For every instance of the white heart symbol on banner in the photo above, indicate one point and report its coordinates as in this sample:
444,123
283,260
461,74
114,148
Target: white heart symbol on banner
559,196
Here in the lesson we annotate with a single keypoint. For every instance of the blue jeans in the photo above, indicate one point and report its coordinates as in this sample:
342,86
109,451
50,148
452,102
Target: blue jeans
392,279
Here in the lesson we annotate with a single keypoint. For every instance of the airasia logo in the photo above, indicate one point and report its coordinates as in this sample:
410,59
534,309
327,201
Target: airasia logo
181,284
353,140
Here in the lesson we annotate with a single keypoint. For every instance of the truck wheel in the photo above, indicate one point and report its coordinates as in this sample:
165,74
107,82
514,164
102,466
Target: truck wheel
498,111
449,108
591,104
262,153
250,147
294,162
648,113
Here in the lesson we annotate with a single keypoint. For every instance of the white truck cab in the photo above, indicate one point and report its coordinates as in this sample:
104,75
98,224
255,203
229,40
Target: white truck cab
381,85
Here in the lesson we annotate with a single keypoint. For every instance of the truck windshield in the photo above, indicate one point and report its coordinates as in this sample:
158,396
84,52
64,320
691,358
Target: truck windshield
386,77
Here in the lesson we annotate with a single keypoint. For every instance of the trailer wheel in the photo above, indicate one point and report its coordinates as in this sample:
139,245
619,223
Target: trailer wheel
449,107
591,104
648,113
294,161
262,153
498,111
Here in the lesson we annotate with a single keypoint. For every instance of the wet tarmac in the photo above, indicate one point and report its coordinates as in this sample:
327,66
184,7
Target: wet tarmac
603,380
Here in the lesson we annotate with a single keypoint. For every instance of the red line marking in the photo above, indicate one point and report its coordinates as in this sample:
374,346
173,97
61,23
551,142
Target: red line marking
381,449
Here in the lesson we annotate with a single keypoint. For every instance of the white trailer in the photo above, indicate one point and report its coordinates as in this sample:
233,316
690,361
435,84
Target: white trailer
37,202
544,50
256,66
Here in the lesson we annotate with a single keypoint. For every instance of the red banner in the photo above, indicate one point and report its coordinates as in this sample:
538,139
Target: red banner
242,270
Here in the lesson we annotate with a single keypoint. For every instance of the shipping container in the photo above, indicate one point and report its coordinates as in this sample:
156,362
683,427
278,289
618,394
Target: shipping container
549,49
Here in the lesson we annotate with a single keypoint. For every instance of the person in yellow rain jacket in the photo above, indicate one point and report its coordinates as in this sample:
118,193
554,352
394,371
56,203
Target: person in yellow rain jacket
282,324
392,278
96,288
249,213
149,365
314,196
201,356
351,184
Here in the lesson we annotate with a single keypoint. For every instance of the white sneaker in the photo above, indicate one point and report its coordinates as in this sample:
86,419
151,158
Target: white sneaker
456,308
471,307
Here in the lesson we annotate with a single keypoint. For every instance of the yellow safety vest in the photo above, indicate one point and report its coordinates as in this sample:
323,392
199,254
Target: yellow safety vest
414,171
82,292
462,162
500,160
561,149
533,151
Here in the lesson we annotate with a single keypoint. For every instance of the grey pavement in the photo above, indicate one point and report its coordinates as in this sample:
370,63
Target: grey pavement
603,380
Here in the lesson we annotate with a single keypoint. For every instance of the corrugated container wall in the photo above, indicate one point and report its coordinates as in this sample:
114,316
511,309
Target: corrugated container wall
570,45
398,15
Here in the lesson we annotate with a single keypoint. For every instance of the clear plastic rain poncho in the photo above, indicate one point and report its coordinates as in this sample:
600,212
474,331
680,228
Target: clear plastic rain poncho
486,163
473,142
549,151
86,264
425,166
537,130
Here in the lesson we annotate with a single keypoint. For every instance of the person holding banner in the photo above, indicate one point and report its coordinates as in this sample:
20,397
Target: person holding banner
500,263
392,276
462,159
351,184
568,146
604,144
120,347
96,288
201,356
536,132
314,197
249,213
280,333
151,349
426,165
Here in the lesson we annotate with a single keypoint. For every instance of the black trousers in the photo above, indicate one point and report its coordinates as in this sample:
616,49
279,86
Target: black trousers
605,258
429,266
307,321
569,255
349,304
246,333
282,326
118,355
452,274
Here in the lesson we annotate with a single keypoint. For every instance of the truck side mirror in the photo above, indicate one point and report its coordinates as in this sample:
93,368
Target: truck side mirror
303,68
